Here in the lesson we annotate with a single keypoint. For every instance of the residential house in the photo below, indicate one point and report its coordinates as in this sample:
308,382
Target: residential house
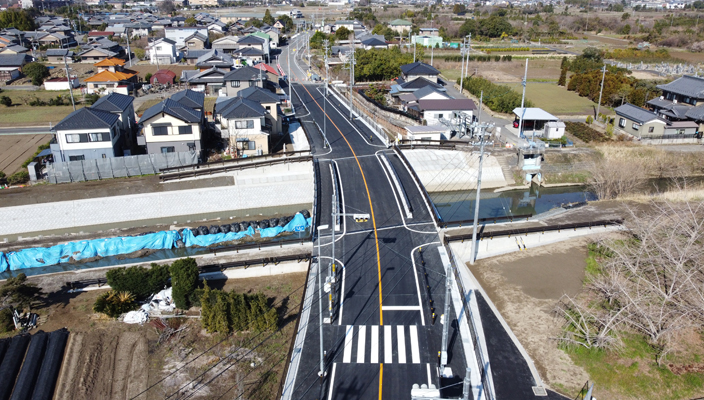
274,36
350,25
87,134
210,81
426,93
681,100
59,40
429,32
400,25
15,49
192,56
163,51
215,59
171,126
11,66
217,27
417,70
226,44
121,106
374,43
111,77
279,25
247,56
180,34
412,86
257,42
244,121
427,133
639,122
57,56
435,111
270,102
242,78
196,41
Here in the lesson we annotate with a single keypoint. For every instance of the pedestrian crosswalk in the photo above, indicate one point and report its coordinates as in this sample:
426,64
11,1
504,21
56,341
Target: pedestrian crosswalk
391,344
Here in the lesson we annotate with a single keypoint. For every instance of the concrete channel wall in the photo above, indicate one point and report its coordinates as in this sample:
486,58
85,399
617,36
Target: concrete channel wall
270,186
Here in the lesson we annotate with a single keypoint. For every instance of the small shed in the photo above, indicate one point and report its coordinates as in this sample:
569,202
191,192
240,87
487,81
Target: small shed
534,120
683,128
554,130
163,76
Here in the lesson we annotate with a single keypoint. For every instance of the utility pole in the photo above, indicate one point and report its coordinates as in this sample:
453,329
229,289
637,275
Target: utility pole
432,50
523,99
481,101
414,51
601,91
483,130
129,52
352,62
290,83
331,267
321,373
446,319
325,104
462,53
70,85
469,50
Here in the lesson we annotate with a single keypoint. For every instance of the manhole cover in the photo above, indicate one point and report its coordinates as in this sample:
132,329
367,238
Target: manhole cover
539,391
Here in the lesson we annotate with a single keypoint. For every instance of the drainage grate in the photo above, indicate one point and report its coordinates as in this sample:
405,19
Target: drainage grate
539,391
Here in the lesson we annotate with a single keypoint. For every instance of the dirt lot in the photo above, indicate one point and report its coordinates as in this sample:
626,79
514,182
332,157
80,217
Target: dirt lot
15,149
111,360
547,69
525,287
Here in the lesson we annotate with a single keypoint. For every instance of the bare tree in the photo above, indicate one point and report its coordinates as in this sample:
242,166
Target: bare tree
612,178
650,282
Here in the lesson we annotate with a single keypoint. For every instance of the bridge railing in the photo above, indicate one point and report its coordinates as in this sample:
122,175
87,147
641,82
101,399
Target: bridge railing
532,229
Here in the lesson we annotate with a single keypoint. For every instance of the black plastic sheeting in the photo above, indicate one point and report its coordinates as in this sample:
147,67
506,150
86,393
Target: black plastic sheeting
11,364
3,347
30,369
242,226
49,372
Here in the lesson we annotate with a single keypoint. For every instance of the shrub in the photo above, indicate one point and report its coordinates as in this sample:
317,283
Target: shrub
3,177
37,71
497,97
226,312
140,281
5,101
114,303
18,178
184,280
6,323
91,99
148,76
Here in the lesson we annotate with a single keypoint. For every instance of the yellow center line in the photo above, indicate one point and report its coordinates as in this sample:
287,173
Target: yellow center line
376,236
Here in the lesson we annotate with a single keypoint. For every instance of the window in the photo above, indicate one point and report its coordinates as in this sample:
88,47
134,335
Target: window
158,48
439,116
104,156
268,109
622,122
635,126
169,149
185,130
76,158
76,138
99,137
249,124
251,145
252,83
160,130
680,131
191,44
235,84
651,129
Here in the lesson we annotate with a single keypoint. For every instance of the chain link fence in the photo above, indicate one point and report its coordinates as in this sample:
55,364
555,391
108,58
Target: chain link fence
118,167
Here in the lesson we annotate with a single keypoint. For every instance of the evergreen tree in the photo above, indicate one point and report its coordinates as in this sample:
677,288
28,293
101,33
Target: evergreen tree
564,63
206,308
238,311
268,19
563,77
184,280
220,321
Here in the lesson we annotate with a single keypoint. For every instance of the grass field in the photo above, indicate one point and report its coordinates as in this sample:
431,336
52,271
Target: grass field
22,114
555,99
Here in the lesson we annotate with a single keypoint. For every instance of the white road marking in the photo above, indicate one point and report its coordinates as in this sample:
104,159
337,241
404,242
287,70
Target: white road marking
361,343
332,380
401,344
415,351
388,354
429,379
342,292
401,308
347,357
374,356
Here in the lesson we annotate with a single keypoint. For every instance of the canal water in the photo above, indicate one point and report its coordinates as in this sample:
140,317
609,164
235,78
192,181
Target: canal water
459,206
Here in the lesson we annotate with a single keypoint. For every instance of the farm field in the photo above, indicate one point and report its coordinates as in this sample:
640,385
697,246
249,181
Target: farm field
22,114
15,149
555,99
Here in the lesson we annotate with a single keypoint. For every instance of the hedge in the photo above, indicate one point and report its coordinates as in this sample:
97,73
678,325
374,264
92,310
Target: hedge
498,98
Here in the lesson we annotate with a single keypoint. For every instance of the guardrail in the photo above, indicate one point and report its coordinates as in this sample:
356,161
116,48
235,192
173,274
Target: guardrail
534,229
483,365
224,163
509,218
435,213
235,167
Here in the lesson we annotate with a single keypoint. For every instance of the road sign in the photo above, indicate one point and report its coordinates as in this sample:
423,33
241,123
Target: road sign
361,217
299,228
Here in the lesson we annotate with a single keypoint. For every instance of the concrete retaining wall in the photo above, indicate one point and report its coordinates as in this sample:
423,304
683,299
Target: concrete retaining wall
272,186
449,170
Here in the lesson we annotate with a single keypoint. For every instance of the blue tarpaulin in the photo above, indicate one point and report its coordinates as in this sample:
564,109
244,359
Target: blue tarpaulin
64,253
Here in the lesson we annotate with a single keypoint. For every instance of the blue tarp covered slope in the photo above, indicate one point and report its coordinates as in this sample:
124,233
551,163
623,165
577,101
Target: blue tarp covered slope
64,253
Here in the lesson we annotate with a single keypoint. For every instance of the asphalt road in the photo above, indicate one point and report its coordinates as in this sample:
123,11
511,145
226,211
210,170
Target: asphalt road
382,337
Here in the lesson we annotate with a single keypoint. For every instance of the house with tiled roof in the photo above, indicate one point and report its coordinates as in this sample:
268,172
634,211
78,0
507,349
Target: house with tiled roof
57,56
111,77
173,125
400,25
244,122
122,106
419,70
681,100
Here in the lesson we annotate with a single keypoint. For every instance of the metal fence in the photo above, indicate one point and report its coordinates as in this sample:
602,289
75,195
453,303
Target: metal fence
118,167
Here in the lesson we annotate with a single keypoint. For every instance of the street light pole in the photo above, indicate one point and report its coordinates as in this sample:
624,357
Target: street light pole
483,130
523,99
290,83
